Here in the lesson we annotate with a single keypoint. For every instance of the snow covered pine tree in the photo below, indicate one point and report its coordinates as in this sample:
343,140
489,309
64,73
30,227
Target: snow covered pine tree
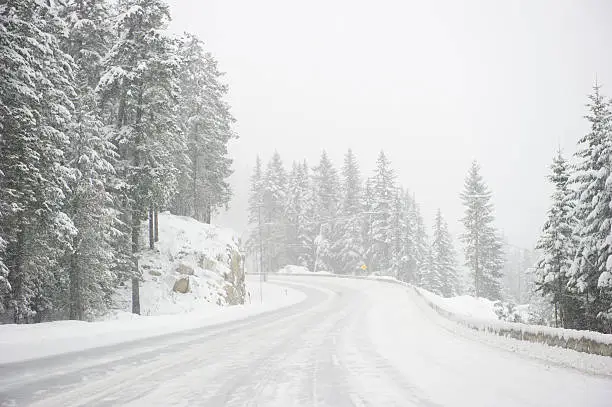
483,249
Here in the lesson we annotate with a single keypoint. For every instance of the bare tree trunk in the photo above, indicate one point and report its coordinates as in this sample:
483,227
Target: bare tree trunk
151,230
135,293
207,213
476,268
156,221
194,187
137,206
135,277
16,277
76,303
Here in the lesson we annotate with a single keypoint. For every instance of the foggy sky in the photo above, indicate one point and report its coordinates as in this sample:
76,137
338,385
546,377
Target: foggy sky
436,84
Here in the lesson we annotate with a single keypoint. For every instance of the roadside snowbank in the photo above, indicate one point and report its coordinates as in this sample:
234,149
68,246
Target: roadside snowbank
292,269
24,342
479,313
466,305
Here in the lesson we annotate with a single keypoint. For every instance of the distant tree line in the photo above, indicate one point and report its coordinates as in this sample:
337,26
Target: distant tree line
337,221
105,119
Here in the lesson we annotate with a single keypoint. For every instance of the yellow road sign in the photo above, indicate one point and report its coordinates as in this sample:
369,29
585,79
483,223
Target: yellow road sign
364,267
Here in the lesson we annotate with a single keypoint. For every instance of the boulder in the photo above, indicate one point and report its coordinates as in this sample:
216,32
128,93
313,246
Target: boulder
156,273
181,285
185,269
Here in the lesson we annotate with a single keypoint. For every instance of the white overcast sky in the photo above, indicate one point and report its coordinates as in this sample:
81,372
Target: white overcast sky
435,84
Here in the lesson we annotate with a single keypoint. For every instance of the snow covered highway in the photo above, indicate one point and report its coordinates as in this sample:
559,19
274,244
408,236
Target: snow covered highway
349,343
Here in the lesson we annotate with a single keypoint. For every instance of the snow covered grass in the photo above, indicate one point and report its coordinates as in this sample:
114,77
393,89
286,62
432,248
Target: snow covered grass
24,342
186,249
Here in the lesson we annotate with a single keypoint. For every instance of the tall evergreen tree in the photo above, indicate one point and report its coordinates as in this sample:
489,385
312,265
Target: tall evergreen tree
483,249
442,278
297,212
139,90
326,205
90,156
399,247
420,242
206,121
274,217
383,193
409,269
593,214
366,224
557,245
350,247
255,240
35,108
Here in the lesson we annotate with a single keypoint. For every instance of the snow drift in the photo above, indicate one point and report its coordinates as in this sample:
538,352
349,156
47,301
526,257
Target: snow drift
464,305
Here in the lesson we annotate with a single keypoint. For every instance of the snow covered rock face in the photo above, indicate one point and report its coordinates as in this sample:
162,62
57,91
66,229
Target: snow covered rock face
193,266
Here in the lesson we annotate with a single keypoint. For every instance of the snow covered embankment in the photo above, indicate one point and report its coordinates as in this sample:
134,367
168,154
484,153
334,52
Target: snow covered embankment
478,314
194,266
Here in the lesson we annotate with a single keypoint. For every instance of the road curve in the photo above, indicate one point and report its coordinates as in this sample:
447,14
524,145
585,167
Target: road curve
350,343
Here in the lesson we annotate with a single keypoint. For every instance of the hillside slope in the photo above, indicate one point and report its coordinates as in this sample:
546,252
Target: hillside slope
193,266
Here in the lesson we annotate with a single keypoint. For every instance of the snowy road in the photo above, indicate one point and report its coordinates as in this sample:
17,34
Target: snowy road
350,343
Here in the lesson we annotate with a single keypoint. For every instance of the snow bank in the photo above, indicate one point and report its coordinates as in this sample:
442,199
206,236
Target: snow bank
465,305
24,342
297,270
582,341
190,250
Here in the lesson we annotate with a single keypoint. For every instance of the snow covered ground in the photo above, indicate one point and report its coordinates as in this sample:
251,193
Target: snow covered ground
23,342
351,342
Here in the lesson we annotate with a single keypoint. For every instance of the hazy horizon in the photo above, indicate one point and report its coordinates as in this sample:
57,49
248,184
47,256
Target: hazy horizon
434,85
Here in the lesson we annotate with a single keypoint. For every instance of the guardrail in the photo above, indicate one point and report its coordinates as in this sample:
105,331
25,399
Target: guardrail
582,341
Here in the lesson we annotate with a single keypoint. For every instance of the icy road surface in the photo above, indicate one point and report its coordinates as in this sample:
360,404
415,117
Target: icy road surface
350,343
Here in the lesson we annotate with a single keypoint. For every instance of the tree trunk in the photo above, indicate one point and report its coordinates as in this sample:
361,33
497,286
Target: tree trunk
151,229
135,277
476,268
76,303
156,221
137,207
135,293
136,273
16,254
194,187
207,213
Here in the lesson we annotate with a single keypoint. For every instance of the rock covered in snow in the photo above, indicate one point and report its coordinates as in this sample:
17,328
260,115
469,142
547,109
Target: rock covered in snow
181,285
